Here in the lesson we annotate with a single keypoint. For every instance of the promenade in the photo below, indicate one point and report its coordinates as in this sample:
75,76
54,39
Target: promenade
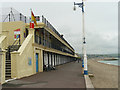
66,76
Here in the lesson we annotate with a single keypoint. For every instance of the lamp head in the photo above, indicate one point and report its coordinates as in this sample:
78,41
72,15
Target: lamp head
74,8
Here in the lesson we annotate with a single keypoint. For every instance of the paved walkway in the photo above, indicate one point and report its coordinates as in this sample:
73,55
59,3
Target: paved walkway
66,76
0,86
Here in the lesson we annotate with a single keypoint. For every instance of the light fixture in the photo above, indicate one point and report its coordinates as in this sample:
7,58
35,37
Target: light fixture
74,8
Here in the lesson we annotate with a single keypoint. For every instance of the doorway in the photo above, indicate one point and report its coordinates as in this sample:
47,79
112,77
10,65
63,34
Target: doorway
36,62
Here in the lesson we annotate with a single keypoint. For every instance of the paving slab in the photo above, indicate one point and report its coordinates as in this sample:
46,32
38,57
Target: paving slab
0,86
66,76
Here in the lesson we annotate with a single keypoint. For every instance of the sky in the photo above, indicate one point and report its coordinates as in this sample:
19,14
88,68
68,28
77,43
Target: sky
101,22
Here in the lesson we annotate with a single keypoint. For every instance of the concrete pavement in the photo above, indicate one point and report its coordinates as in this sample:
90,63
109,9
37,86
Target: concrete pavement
66,76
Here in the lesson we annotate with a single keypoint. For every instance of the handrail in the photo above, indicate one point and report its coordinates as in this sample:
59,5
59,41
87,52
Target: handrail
18,39
47,44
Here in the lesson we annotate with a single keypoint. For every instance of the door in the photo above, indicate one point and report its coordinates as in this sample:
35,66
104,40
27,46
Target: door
36,62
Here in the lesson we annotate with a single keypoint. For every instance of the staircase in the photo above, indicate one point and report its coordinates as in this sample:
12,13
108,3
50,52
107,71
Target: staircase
8,60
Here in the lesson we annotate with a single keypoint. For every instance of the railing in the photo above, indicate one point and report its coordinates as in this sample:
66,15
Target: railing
37,39
50,44
10,14
13,15
44,20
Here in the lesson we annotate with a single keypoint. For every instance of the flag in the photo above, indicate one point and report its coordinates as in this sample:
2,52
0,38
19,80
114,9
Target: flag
31,25
33,18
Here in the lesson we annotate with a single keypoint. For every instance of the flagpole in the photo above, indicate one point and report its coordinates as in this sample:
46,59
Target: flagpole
31,13
31,22
84,61
30,9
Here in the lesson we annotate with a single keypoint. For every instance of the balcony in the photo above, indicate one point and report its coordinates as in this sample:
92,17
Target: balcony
53,29
53,45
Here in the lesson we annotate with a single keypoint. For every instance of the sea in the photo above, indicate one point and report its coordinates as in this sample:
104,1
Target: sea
109,61
112,62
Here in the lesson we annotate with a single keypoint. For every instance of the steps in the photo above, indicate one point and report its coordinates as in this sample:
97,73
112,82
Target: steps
8,69
8,60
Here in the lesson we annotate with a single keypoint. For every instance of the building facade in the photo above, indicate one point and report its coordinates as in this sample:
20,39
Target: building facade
26,51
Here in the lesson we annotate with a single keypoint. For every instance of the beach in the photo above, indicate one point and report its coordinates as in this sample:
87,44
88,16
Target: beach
105,76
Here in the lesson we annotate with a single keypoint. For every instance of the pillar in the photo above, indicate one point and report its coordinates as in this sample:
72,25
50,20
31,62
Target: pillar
40,61
54,60
43,59
48,59
32,31
44,37
2,66
51,60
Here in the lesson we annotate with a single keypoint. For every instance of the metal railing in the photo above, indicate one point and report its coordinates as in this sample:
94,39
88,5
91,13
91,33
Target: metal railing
10,15
13,15
45,21
49,44
37,39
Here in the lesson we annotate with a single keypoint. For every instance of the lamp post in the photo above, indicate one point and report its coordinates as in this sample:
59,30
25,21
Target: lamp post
84,59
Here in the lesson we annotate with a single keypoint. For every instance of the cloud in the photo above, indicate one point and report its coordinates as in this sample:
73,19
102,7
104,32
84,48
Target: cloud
101,23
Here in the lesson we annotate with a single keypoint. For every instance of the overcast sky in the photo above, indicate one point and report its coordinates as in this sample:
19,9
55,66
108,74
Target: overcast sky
101,22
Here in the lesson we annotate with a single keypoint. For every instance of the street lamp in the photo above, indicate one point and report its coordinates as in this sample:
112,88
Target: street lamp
74,8
84,59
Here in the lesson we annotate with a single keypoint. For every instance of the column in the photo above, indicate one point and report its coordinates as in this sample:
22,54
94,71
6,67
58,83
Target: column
48,59
32,31
54,60
44,37
43,60
2,66
51,60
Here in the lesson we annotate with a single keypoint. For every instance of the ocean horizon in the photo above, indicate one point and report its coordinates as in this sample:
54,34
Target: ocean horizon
112,62
109,61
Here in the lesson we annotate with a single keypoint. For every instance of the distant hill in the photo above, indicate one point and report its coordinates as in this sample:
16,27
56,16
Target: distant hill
100,55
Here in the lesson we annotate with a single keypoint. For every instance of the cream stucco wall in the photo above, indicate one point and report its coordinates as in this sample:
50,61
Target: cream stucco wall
20,66
3,41
40,59
41,47
6,39
0,28
8,30
42,25
20,59
2,67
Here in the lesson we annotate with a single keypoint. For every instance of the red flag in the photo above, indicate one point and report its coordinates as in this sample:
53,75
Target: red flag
33,20
31,25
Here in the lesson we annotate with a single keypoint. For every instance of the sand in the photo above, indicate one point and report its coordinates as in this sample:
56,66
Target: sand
105,76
